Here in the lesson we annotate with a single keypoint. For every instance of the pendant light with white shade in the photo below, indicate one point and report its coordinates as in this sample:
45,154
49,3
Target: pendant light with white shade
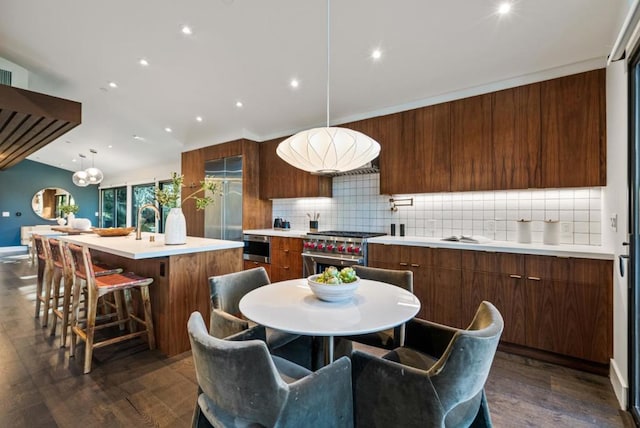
94,175
329,149
81,178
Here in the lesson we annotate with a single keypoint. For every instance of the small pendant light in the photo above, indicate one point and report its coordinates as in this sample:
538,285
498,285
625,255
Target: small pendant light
80,178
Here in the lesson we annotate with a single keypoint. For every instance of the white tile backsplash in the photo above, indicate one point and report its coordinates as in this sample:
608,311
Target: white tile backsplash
358,206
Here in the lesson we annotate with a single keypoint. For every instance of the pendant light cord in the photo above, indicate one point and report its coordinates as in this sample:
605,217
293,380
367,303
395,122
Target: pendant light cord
328,55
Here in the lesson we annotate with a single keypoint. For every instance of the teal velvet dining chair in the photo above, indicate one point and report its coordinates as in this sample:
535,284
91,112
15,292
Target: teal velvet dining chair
435,380
226,319
241,385
392,338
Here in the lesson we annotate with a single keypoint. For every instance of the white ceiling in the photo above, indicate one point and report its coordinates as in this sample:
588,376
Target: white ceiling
249,50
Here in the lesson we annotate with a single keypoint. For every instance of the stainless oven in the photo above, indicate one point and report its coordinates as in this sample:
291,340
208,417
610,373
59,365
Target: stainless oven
313,264
257,248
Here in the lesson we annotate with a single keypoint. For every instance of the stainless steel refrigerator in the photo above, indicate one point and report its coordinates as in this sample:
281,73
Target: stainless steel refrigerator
223,219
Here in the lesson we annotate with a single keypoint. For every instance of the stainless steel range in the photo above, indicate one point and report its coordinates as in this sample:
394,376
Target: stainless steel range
334,248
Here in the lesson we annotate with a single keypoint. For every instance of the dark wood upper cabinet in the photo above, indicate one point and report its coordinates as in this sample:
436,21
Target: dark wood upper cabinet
278,179
516,137
573,130
388,131
471,144
421,161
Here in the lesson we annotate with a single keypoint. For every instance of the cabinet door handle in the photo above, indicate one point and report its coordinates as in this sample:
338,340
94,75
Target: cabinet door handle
515,276
255,263
286,268
415,265
533,278
286,251
403,264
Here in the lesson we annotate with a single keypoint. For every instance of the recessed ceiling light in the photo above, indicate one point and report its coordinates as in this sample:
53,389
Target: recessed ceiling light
168,129
143,62
113,85
137,137
73,160
294,83
199,118
504,8
239,104
186,30
376,54
110,146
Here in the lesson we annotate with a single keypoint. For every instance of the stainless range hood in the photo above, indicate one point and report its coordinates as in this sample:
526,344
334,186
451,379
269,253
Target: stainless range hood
372,167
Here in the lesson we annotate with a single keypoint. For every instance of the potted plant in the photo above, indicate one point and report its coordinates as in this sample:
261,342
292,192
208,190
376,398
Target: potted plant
69,209
69,212
175,228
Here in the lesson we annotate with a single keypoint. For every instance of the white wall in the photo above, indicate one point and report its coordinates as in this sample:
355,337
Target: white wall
148,174
615,202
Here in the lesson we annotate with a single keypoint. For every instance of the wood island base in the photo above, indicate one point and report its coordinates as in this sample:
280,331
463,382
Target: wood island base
180,286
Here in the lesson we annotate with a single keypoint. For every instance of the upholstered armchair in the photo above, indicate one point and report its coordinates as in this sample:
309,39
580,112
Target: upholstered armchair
242,385
436,380
226,319
392,338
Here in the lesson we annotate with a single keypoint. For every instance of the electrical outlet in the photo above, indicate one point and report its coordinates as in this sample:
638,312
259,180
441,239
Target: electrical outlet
566,227
5,214
613,222
489,226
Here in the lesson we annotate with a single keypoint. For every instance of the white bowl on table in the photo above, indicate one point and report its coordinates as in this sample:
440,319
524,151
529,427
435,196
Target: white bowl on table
332,292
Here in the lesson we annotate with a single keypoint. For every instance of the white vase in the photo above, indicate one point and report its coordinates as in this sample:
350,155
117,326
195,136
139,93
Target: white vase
61,221
70,219
175,228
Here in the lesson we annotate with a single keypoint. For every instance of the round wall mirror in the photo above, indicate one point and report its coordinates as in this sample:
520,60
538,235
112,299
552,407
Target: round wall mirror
47,202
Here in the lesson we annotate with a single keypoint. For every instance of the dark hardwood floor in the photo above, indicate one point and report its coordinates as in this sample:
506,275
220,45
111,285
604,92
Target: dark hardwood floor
131,386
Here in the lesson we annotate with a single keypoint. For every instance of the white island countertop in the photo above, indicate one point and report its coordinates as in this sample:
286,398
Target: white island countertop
562,250
285,233
129,247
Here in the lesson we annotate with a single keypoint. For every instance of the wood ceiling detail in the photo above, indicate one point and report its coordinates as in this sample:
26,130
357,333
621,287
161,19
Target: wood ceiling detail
30,121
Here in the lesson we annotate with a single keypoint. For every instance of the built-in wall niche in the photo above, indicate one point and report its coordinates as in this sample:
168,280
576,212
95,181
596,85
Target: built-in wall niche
47,202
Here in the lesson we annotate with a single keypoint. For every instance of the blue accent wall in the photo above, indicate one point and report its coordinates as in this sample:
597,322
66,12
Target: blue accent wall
20,182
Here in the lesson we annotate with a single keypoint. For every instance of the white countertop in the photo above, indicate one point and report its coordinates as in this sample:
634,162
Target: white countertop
285,233
579,251
129,247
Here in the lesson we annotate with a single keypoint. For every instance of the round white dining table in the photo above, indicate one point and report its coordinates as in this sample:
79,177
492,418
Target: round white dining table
291,306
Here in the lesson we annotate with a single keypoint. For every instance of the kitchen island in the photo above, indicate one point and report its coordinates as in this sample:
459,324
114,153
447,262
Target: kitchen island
180,276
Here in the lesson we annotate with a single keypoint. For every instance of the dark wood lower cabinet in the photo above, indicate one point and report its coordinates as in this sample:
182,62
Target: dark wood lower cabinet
486,276
560,306
286,259
437,278
250,264
570,307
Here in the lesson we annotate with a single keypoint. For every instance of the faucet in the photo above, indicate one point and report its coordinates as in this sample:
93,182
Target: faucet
139,228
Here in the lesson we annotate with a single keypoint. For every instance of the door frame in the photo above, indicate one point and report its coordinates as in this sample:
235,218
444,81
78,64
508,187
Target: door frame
633,276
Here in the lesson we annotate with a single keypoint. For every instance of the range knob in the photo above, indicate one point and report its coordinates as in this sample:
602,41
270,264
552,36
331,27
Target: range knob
307,244
357,250
320,246
340,248
330,247
350,249
312,245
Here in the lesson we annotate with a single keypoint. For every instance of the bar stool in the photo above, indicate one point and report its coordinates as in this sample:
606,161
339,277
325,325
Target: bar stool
63,270
98,286
45,270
